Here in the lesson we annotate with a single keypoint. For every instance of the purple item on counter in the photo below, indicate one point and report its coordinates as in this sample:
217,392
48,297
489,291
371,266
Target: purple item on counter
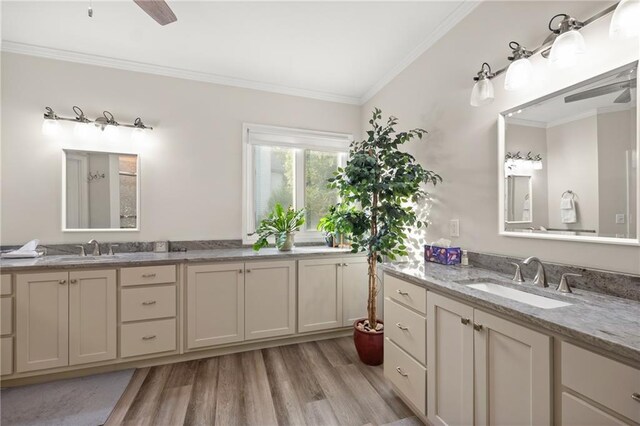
443,255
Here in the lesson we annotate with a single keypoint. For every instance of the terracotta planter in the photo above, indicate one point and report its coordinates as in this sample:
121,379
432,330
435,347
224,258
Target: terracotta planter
369,344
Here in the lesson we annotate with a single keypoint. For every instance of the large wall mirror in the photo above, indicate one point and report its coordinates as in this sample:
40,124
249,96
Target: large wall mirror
569,163
101,191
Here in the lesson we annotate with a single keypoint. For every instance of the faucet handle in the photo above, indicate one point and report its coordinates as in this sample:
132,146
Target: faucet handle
518,275
111,246
564,287
82,252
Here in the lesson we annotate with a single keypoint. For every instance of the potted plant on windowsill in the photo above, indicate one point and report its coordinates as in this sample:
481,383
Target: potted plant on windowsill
336,225
385,183
280,224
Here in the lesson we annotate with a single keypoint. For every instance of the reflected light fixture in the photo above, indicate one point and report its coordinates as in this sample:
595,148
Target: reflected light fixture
482,92
520,71
626,20
50,125
569,43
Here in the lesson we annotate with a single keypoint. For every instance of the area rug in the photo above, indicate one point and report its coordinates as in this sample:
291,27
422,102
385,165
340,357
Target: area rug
71,402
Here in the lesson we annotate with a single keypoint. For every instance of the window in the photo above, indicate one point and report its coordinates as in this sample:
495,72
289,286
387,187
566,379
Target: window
290,167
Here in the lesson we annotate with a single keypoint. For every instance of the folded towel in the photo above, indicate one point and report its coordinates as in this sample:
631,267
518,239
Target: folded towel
26,251
568,211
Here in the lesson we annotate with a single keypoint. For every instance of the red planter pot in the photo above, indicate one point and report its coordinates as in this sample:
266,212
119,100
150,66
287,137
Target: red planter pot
369,344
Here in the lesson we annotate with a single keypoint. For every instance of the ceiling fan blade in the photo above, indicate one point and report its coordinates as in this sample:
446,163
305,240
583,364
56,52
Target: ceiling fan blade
601,91
625,97
159,10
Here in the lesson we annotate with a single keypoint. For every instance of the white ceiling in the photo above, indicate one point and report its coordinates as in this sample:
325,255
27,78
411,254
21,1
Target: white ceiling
339,51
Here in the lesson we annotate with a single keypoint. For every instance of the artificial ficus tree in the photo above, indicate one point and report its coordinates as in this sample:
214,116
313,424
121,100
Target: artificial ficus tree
385,184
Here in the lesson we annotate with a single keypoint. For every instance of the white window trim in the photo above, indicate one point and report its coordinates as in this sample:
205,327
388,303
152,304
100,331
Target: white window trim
286,137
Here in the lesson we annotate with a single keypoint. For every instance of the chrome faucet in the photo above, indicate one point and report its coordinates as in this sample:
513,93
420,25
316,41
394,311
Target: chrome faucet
96,247
540,279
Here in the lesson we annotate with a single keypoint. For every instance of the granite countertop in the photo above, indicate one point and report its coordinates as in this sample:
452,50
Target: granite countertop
607,322
151,258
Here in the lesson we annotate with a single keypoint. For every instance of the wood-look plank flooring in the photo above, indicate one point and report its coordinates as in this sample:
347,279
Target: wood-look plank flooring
315,383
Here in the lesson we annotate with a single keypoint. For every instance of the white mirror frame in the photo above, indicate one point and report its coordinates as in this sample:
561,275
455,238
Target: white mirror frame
64,193
501,174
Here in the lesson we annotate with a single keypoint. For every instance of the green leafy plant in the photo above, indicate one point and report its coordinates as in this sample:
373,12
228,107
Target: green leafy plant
279,224
382,182
336,221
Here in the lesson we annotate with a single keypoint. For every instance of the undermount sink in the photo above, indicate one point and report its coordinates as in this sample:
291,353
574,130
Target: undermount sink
518,296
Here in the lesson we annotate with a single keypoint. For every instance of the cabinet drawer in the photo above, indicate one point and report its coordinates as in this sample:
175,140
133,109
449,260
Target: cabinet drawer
6,355
149,337
406,293
406,374
6,315
5,285
601,379
406,328
576,412
148,303
148,275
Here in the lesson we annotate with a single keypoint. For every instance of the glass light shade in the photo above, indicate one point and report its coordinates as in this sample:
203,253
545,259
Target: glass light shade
482,93
84,130
519,74
50,127
625,22
111,133
566,48
138,135
537,165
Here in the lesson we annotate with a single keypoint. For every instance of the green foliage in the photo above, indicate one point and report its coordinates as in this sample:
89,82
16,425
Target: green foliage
338,220
278,223
319,167
383,181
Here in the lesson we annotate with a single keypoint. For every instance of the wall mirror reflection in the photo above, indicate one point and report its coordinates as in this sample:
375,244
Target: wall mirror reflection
100,191
569,166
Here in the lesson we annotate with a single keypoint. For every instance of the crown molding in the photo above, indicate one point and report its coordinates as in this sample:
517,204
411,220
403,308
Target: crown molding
447,24
104,61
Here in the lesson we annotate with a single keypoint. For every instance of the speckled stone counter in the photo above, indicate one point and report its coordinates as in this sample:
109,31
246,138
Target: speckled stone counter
609,323
150,258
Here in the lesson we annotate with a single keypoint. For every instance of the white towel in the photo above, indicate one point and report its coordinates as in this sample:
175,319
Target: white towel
568,211
26,251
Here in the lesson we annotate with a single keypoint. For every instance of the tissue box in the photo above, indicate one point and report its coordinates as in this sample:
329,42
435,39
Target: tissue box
443,255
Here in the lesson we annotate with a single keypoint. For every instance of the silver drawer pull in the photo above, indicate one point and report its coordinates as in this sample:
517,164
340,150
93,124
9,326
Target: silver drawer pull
465,321
401,372
635,396
402,293
477,327
151,337
148,275
149,302
62,282
401,327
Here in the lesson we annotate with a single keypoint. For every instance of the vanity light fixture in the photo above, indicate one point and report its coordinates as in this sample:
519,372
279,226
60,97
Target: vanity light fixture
520,72
139,133
568,44
626,20
85,127
482,92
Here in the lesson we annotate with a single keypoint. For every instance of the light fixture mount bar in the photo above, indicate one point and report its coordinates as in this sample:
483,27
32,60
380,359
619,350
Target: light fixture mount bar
107,119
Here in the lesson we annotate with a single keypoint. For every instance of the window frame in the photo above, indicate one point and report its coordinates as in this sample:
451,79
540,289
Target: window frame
298,139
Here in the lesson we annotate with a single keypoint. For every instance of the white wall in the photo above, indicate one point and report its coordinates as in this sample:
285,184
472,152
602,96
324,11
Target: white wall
191,168
433,93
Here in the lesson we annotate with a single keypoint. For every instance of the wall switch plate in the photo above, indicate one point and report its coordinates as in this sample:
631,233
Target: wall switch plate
161,246
620,218
454,228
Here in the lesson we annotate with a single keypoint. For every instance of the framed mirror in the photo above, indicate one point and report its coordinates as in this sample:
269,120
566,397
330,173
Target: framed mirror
572,158
100,191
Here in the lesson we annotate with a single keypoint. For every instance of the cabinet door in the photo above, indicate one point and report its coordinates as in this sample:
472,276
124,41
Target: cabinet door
215,304
449,361
513,373
355,289
269,299
42,315
92,316
319,294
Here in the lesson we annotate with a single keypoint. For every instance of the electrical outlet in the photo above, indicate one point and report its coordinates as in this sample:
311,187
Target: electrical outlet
454,228
620,218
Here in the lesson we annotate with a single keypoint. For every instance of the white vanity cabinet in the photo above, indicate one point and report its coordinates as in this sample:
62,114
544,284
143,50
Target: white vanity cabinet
479,360
65,318
215,304
332,292
6,325
596,390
